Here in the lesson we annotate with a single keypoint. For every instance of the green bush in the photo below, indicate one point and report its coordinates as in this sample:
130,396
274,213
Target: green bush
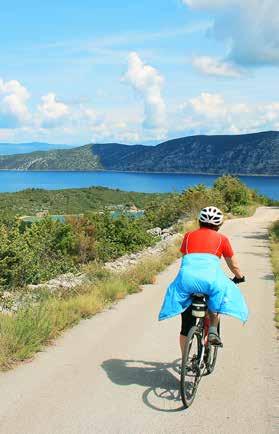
233,192
85,239
196,198
240,210
274,232
274,236
118,236
164,214
47,248
34,255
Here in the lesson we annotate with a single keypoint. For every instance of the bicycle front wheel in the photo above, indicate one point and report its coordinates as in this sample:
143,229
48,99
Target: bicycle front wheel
191,367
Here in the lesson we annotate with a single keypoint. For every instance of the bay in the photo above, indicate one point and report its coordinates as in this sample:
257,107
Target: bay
11,181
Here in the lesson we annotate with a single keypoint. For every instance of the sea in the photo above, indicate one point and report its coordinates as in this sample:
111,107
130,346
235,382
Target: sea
11,181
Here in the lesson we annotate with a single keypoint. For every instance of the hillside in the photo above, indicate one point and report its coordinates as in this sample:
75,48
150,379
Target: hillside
73,201
249,154
80,158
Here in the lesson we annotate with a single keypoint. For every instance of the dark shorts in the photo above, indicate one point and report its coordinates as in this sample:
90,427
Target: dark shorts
187,321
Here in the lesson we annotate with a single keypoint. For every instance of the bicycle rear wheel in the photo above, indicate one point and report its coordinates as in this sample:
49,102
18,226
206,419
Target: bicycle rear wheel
191,367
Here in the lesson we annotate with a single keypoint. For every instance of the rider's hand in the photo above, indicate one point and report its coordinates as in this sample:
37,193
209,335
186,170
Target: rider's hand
238,279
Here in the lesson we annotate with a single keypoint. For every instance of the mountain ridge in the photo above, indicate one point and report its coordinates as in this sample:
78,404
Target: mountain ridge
245,154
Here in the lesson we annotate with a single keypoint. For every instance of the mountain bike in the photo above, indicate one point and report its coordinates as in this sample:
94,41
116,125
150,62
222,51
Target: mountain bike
199,356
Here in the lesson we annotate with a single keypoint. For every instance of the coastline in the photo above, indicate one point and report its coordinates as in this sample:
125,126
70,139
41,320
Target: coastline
139,172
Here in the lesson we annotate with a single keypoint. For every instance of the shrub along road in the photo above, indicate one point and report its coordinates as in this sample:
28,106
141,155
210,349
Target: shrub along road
117,372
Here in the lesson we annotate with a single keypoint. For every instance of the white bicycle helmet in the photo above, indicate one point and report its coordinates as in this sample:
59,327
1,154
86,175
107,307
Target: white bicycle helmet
211,215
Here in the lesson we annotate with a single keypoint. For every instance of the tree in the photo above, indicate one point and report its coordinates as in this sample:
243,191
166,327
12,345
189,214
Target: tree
195,198
234,192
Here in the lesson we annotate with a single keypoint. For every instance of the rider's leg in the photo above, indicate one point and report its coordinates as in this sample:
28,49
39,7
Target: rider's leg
213,335
187,321
214,319
182,343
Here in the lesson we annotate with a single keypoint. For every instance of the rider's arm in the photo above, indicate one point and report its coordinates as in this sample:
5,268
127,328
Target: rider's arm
183,248
233,266
230,258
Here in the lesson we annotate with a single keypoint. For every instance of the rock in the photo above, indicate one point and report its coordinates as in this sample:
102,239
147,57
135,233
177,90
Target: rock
165,236
171,231
67,281
155,231
166,231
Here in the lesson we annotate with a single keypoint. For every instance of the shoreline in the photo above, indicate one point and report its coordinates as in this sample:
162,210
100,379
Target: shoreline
138,172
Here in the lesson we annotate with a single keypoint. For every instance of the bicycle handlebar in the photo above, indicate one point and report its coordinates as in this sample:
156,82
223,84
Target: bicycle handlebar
238,280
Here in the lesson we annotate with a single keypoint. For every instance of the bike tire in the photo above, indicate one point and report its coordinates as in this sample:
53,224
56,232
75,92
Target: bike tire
190,372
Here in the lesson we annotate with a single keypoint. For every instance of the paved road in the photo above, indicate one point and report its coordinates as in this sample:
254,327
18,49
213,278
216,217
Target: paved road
116,373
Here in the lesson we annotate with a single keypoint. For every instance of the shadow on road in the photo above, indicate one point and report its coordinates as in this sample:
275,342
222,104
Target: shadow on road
259,255
162,393
269,276
256,236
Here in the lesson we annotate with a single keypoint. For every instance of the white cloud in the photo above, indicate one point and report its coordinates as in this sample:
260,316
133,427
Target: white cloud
13,104
52,112
148,83
53,120
206,4
250,28
209,105
212,114
215,67
270,115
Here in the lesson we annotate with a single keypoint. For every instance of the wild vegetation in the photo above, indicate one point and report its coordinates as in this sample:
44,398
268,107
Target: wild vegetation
34,253
274,238
27,331
72,201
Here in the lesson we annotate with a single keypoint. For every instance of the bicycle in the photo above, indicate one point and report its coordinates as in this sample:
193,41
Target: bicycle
199,356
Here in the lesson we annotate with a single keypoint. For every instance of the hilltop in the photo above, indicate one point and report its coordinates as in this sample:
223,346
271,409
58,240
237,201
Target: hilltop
250,154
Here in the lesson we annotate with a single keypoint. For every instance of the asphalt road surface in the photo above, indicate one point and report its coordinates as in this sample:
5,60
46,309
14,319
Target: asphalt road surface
117,372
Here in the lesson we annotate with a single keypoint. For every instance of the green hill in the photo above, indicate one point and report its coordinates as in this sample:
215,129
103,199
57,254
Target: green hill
73,201
81,158
250,154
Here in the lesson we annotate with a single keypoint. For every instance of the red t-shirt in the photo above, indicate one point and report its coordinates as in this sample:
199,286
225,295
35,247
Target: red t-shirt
206,240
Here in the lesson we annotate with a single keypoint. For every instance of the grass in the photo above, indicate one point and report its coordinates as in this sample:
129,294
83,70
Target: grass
26,332
274,244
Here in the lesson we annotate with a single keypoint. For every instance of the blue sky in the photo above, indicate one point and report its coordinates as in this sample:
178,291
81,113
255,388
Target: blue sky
137,72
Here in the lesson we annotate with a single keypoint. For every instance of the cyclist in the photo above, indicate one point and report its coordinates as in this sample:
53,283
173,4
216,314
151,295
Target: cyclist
201,273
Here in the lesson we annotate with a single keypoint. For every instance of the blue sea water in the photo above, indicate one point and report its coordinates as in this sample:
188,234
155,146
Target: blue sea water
11,181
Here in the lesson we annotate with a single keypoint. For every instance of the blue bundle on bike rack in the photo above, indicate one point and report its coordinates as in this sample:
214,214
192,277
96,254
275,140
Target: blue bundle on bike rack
201,273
